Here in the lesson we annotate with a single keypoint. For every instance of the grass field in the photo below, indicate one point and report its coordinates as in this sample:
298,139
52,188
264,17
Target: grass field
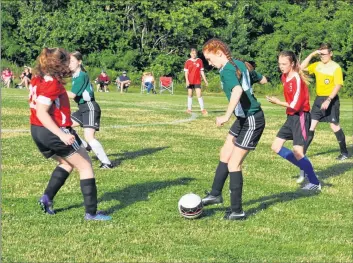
160,154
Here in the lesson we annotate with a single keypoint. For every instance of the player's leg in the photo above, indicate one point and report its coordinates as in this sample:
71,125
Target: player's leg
190,88
56,181
236,183
91,123
200,99
221,174
81,161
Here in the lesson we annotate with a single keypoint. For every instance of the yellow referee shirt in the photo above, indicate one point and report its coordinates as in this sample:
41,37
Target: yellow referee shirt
327,76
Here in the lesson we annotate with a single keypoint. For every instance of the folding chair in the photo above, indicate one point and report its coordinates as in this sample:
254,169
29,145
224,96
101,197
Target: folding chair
166,83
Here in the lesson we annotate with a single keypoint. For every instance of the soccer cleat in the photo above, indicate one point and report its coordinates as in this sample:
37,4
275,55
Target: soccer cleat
301,177
234,216
98,217
342,156
106,166
88,148
211,199
312,187
188,111
46,205
204,112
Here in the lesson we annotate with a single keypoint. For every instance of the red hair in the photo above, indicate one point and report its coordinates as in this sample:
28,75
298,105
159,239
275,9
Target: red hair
214,44
53,62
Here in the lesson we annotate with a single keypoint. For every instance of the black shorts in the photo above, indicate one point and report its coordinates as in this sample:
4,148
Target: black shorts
296,128
49,144
194,86
88,115
331,114
247,131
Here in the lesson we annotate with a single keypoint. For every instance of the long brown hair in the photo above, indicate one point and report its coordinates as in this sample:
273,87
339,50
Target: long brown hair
293,59
215,44
53,62
78,56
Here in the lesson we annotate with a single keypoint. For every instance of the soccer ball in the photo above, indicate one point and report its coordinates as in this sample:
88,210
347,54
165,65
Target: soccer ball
190,206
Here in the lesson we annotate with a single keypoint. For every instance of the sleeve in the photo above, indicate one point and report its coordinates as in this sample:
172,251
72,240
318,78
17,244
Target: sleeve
230,80
297,98
312,67
78,85
338,76
255,76
186,66
47,92
201,64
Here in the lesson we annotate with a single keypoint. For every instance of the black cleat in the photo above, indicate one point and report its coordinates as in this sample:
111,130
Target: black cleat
212,200
234,216
106,166
88,148
342,156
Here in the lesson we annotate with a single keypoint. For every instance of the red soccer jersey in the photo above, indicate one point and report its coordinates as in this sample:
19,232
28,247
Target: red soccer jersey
194,67
103,78
296,94
50,92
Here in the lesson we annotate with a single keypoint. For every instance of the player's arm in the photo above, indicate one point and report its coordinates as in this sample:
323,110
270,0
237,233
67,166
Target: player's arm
186,74
277,101
234,100
306,61
43,116
77,87
204,77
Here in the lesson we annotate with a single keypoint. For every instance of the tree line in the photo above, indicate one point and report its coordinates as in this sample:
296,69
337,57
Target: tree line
156,35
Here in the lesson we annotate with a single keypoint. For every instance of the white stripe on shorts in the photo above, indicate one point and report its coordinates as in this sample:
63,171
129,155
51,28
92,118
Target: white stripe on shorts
75,145
91,113
249,132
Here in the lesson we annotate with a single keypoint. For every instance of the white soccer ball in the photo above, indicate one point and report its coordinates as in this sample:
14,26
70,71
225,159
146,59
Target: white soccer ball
190,206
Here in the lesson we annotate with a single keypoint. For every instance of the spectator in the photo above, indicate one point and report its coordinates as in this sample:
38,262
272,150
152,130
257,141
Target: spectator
7,77
102,82
123,82
148,82
25,77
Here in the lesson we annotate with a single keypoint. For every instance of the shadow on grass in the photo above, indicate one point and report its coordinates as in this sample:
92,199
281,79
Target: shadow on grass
267,201
349,148
133,193
132,155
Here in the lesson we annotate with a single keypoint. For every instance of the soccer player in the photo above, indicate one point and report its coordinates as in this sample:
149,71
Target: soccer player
246,131
193,69
297,124
326,107
51,131
89,113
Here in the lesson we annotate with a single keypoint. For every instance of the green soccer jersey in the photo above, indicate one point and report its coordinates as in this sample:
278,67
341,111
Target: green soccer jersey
82,87
248,105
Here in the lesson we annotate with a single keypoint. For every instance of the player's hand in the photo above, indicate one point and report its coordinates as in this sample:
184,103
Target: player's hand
187,83
221,120
206,83
272,99
325,105
68,139
316,52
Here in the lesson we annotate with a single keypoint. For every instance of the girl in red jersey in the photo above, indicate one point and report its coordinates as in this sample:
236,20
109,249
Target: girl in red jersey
298,120
51,131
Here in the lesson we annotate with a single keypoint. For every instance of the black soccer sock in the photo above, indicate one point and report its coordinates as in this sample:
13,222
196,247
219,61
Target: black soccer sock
89,192
236,191
57,180
309,140
341,138
219,178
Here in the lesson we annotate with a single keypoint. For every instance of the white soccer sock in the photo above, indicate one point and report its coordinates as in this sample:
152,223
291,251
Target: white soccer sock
201,102
97,148
189,102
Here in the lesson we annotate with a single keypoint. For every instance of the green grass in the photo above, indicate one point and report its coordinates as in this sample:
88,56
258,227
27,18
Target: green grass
159,160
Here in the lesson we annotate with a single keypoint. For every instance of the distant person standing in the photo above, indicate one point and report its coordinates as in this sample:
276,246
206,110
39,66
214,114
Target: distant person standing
326,107
193,69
